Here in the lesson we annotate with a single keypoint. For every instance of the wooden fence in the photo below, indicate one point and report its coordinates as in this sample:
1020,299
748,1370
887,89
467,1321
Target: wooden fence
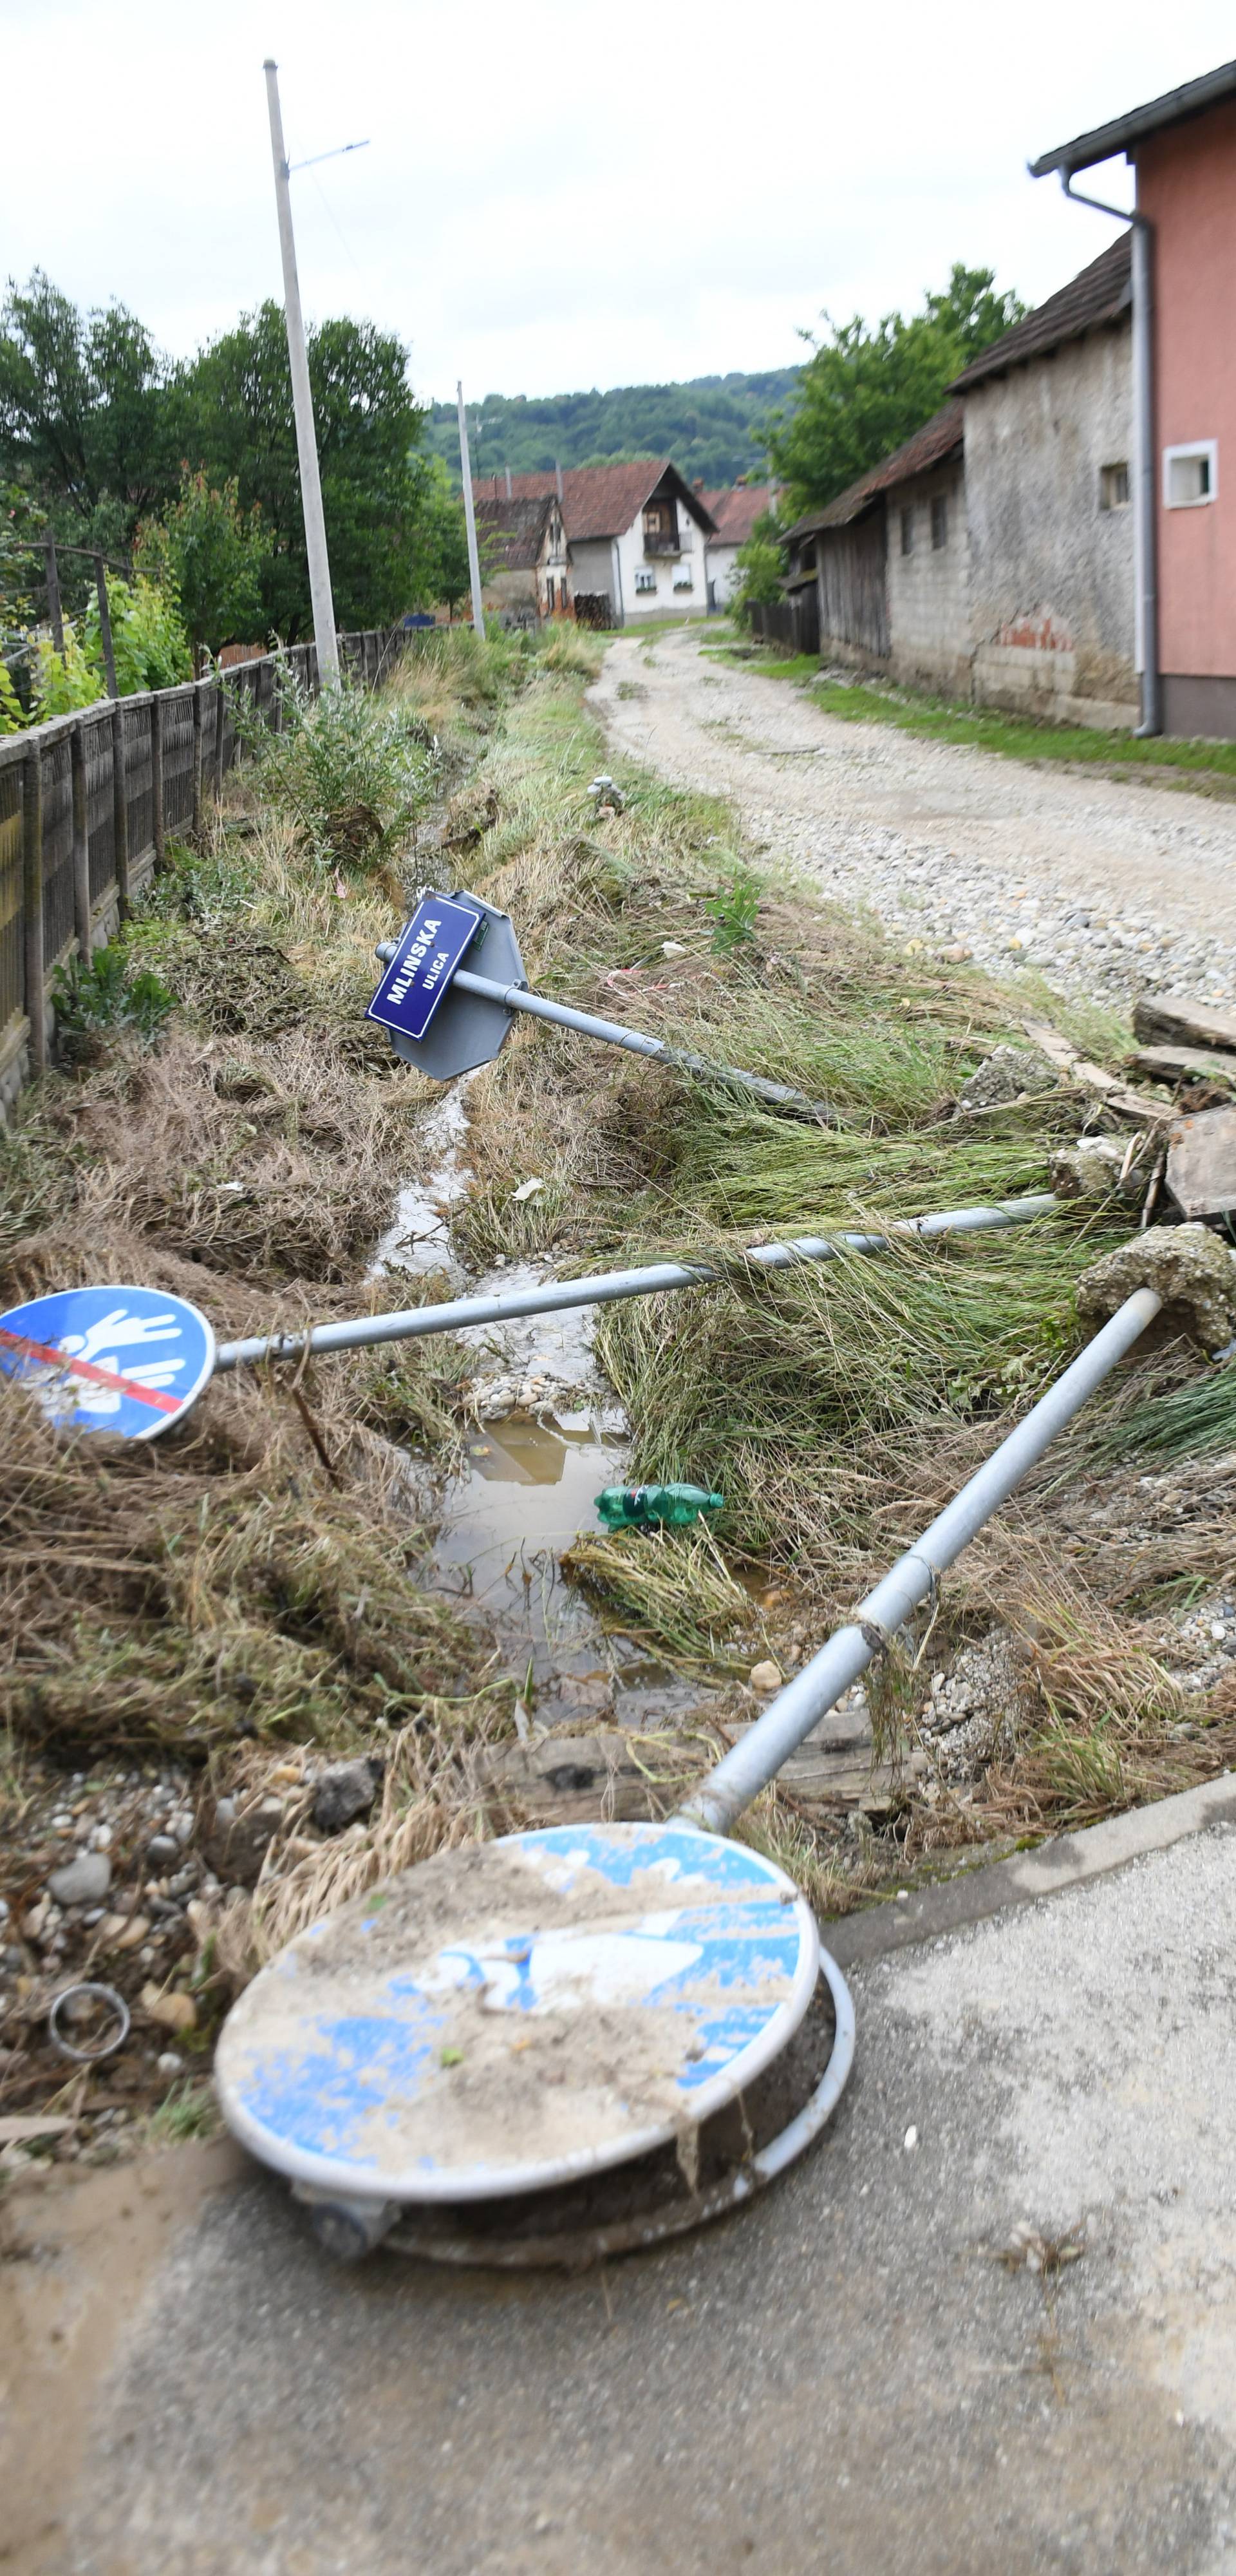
793,621
87,803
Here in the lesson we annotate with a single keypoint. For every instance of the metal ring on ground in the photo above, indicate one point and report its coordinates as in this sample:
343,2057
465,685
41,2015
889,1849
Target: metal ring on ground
107,2047
575,2249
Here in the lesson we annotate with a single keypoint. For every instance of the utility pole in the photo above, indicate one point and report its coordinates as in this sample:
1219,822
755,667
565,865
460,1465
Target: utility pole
302,404
474,561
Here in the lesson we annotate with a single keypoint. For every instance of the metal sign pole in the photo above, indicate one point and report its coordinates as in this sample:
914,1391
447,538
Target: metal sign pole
446,1019
515,997
474,561
302,405
604,1288
789,1718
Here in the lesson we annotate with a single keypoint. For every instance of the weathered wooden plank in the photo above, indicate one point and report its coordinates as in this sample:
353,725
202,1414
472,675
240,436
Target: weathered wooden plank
1178,1063
1160,1015
565,1779
1201,1163
1114,1093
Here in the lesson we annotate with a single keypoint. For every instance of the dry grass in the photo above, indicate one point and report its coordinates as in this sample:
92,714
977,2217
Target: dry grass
217,1586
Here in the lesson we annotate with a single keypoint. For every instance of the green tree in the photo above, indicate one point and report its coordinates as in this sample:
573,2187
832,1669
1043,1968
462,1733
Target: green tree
369,432
863,391
212,553
87,412
440,549
760,565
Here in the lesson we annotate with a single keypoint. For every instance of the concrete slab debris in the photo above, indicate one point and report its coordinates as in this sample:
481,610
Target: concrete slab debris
1201,1163
1193,1271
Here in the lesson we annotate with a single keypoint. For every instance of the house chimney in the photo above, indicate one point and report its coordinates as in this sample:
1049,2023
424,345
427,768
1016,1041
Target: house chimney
508,482
558,480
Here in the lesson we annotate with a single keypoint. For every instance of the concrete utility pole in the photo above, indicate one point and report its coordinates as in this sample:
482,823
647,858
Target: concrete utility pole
302,404
474,561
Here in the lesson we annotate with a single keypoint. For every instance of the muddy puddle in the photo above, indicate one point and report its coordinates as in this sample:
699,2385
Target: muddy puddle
549,1437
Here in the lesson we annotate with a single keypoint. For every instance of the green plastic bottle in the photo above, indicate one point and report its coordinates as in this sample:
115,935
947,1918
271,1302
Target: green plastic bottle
649,1506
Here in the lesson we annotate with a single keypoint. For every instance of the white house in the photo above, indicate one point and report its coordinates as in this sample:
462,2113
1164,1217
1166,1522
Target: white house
636,535
735,513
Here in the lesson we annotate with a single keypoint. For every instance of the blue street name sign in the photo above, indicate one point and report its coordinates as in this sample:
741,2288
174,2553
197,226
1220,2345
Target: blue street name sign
125,1360
419,974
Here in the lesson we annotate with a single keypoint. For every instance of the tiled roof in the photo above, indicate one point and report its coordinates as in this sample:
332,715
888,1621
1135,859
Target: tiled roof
929,446
513,531
1124,133
603,500
736,511
1101,294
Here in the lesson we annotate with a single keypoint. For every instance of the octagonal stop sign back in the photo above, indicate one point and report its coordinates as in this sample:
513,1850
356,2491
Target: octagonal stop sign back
432,1023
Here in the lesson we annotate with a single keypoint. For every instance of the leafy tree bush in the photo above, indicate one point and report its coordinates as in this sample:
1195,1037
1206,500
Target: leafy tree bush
88,412
369,429
102,993
349,770
212,554
439,570
760,565
863,391
149,642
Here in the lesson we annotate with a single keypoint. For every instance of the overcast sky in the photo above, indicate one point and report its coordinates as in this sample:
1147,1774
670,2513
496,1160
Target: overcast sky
561,194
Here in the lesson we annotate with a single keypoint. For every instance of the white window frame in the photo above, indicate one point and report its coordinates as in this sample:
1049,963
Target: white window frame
645,578
1188,449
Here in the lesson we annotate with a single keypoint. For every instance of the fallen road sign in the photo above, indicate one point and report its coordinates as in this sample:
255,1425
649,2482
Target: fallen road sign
447,1019
121,1359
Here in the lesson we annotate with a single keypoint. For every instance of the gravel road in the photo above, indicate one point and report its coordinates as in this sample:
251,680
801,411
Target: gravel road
1106,887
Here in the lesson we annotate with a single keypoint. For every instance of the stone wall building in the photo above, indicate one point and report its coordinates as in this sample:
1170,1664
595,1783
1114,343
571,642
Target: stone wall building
991,556
1048,429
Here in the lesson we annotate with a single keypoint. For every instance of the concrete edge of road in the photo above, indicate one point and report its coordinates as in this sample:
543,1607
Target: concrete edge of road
1070,1860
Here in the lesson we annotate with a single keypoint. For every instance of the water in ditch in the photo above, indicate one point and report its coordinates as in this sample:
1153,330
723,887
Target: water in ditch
549,1437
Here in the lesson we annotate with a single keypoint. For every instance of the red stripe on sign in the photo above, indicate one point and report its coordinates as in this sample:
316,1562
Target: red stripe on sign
86,1368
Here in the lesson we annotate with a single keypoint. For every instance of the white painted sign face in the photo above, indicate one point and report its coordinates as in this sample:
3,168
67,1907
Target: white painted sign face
125,1360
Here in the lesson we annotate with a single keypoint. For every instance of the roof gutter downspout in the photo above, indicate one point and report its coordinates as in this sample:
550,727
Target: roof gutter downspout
1145,524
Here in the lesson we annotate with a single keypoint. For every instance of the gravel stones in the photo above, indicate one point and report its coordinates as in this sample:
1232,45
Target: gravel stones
345,1793
81,1882
162,1850
1106,885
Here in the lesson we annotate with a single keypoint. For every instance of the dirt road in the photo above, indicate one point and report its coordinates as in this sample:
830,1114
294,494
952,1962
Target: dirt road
1105,886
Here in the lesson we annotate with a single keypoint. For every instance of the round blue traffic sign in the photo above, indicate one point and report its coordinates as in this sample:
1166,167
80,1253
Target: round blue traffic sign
514,2014
125,1360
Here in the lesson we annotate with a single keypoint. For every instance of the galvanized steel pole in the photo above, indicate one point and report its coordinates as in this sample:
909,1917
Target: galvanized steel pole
516,997
604,1288
302,405
753,1762
465,468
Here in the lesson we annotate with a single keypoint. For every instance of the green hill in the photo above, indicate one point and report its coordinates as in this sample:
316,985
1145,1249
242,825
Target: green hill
710,426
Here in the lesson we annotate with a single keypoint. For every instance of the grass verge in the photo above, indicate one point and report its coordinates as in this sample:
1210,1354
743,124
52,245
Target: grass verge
985,729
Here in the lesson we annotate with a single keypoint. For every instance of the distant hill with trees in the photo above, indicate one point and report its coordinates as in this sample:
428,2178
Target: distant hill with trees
710,426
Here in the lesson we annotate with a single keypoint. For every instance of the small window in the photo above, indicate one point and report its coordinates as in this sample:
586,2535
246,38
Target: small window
1190,474
907,532
1113,487
939,521
645,577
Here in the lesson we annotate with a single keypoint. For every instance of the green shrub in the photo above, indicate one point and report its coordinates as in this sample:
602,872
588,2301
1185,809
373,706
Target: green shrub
106,992
733,909
351,771
149,642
